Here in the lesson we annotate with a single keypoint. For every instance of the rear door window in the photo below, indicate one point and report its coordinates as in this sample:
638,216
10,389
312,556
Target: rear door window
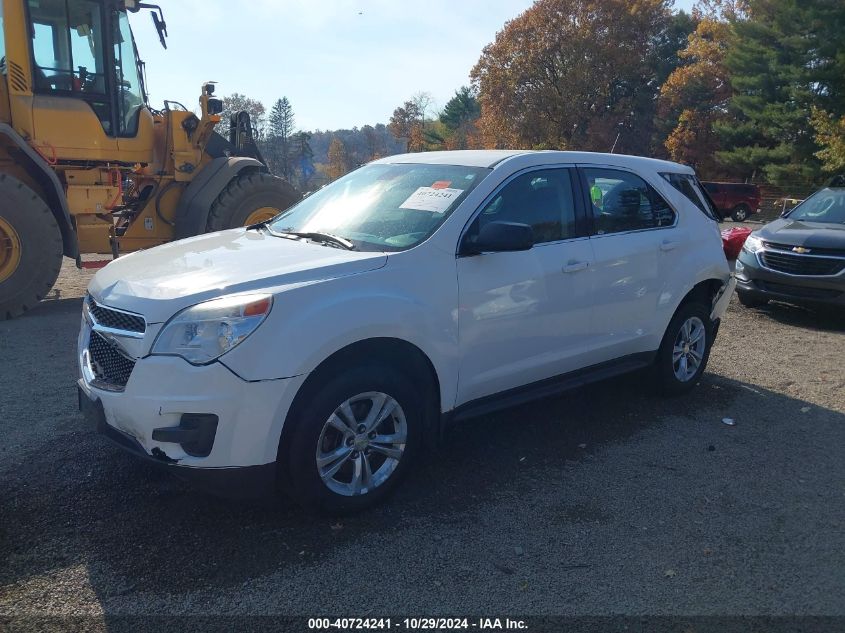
622,201
688,185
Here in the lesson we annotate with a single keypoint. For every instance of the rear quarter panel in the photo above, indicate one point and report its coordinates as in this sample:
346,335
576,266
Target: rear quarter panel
702,258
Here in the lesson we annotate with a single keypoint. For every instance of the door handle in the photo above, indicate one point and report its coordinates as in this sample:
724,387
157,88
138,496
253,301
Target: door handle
574,267
667,245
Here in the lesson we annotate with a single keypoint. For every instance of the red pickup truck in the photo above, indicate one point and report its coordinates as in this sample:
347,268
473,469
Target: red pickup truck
735,199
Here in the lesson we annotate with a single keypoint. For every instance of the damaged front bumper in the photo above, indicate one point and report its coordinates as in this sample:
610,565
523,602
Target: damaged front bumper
204,424
245,482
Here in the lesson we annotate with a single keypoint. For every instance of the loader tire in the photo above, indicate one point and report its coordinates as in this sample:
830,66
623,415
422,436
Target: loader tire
250,198
30,248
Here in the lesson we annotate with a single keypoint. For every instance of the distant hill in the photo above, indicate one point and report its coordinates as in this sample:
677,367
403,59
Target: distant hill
363,144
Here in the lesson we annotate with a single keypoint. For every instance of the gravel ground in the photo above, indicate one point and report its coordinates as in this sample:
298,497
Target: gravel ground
604,501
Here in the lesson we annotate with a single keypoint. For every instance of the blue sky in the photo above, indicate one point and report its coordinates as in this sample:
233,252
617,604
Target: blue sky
342,63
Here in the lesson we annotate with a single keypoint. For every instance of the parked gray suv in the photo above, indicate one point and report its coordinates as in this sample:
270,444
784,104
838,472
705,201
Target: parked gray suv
800,257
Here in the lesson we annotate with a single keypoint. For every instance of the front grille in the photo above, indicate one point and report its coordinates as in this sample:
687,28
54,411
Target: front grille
116,319
799,291
836,252
109,365
801,264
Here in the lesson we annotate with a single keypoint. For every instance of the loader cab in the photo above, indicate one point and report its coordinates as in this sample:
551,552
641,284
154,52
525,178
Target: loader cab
84,49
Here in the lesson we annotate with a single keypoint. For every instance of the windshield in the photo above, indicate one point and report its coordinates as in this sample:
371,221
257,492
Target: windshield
383,207
827,205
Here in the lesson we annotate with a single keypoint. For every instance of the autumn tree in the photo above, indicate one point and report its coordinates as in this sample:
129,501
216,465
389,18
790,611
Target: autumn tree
573,74
280,133
422,102
406,125
830,136
339,160
235,103
696,95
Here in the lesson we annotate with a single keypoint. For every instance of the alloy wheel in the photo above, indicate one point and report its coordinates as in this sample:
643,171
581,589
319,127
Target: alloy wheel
361,444
689,348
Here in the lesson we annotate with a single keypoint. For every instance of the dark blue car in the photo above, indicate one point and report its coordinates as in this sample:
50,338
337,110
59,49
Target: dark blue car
800,257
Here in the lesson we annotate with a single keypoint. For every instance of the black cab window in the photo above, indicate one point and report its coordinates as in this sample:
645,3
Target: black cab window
68,46
622,201
130,90
68,51
542,199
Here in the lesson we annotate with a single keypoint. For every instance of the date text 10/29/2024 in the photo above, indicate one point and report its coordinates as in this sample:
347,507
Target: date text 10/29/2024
416,624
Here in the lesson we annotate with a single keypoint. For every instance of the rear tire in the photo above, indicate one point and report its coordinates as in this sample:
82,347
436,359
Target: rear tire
750,301
740,213
310,437
245,195
30,248
682,357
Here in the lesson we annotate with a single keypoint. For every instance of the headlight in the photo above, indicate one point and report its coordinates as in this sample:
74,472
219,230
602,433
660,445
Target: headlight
206,331
86,310
752,244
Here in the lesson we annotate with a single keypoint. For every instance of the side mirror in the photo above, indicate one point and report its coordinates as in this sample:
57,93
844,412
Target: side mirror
499,237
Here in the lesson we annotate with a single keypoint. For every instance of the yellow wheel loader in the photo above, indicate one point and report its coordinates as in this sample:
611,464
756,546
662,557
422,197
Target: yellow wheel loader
87,166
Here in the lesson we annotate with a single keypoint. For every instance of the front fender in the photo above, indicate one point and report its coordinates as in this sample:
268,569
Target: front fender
310,323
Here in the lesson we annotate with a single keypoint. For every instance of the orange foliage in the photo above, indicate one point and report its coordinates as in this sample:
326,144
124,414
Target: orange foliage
565,73
697,93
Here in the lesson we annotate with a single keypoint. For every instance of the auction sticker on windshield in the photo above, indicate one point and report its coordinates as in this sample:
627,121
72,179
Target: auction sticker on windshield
431,199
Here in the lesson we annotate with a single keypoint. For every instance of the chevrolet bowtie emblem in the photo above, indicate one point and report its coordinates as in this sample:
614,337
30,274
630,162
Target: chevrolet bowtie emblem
800,250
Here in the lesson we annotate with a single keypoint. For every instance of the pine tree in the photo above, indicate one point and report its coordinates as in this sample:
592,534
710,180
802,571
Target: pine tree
281,131
304,159
786,57
460,109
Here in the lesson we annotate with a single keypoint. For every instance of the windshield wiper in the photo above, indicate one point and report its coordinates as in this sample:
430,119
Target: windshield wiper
316,236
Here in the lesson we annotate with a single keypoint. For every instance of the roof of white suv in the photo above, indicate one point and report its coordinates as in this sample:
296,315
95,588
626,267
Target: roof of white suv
493,157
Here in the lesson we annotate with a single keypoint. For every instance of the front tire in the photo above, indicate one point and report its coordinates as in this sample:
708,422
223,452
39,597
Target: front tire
740,213
352,439
250,198
685,349
30,248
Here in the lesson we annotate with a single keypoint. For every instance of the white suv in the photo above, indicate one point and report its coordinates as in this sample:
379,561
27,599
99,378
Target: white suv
320,351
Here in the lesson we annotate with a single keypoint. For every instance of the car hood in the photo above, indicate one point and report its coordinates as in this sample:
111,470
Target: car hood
161,281
807,234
